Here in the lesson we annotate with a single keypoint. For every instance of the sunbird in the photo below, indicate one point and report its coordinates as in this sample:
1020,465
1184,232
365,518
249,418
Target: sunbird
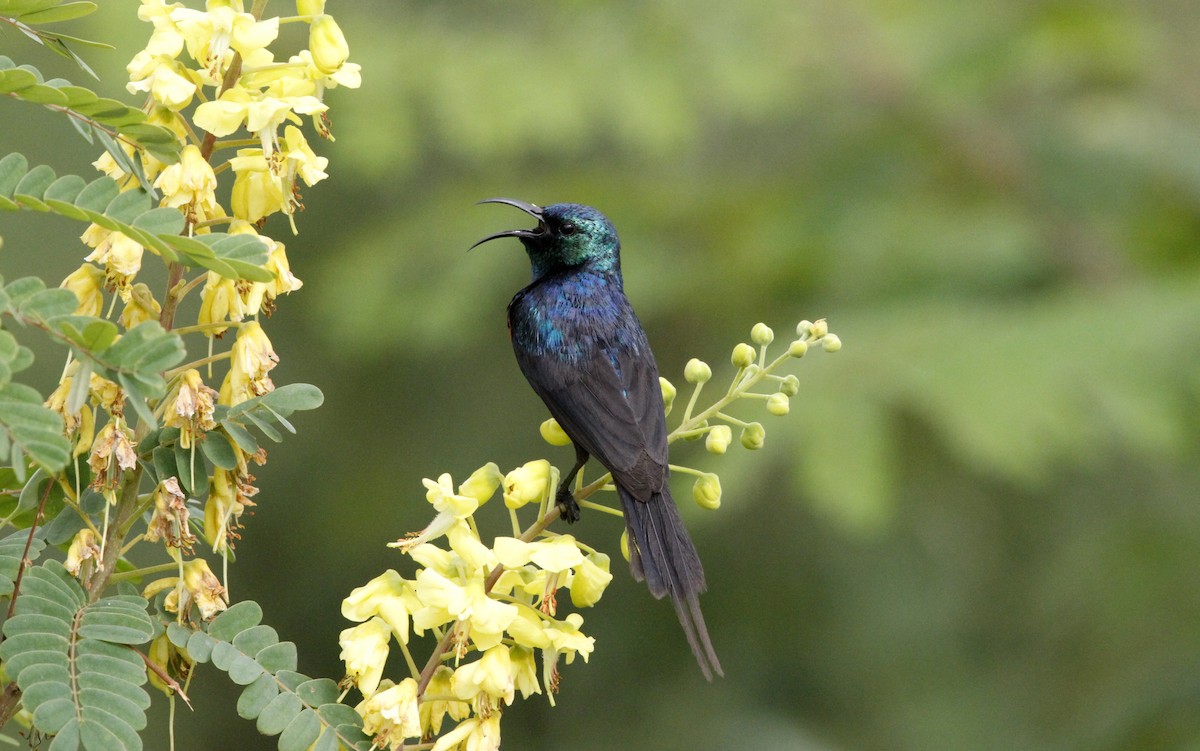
583,350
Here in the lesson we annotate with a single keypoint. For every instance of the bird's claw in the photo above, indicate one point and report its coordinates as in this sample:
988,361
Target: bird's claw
568,506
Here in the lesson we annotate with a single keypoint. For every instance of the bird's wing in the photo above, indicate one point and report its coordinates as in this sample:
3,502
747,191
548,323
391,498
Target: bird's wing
610,403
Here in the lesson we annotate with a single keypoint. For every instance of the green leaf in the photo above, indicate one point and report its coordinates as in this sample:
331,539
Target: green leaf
115,621
278,713
31,187
276,657
200,646
34,428
98,194
12,169
126,206
294,397
237,618
219,450
64,12
318,691
300,732
161,221
256,696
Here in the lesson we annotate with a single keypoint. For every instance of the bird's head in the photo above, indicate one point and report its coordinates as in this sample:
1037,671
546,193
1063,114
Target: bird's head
568,235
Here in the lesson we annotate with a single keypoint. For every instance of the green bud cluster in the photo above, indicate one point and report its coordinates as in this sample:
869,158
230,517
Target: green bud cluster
714,424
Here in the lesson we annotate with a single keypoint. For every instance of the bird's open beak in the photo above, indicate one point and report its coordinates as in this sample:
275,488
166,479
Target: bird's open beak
529,208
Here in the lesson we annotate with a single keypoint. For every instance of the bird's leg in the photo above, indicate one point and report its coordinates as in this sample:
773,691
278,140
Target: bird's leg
565,497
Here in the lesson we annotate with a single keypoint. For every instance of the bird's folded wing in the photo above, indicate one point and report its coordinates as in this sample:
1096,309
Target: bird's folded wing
611,405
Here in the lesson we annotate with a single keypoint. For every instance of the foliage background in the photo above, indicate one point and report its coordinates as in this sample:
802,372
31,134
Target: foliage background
977,529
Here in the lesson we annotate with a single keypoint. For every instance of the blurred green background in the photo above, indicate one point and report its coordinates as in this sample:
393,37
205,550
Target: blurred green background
977,529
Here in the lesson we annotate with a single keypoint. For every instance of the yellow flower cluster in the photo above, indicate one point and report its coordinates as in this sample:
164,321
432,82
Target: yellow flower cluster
496,602
210,78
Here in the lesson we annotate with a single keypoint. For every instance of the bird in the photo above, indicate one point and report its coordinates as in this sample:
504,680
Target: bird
580,345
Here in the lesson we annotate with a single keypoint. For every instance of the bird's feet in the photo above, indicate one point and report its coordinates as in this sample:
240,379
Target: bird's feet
568,506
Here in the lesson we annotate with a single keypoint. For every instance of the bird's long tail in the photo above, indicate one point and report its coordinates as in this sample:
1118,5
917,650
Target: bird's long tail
662,554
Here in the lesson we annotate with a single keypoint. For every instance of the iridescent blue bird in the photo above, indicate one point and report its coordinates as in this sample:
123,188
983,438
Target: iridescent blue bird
584,352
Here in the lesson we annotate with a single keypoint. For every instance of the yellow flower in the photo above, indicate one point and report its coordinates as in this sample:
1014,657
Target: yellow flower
159,75
210,35
121,256
491,674
285,281
190,185
566,638
220,301
475,734
257,191
435,707
87,282
301,159
524,671
589,580
474,554
252,359
446,600
203,588
554,555
391,715
365,650
450,507
388,596
261,114
528,483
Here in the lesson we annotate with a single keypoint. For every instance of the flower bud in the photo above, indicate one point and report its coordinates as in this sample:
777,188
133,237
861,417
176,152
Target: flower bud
310,7
831,343
697,371
753,436
328,45
527,483
790,385
707,491
718,439
743,355
668,394
777,404
625,544
553,434
798,348
482,483
803,328
762,334
819,328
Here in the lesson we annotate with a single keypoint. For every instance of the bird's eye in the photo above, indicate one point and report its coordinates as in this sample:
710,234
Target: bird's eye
568,228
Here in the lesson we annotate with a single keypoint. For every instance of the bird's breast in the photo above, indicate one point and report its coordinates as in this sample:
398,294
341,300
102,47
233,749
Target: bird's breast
569,320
